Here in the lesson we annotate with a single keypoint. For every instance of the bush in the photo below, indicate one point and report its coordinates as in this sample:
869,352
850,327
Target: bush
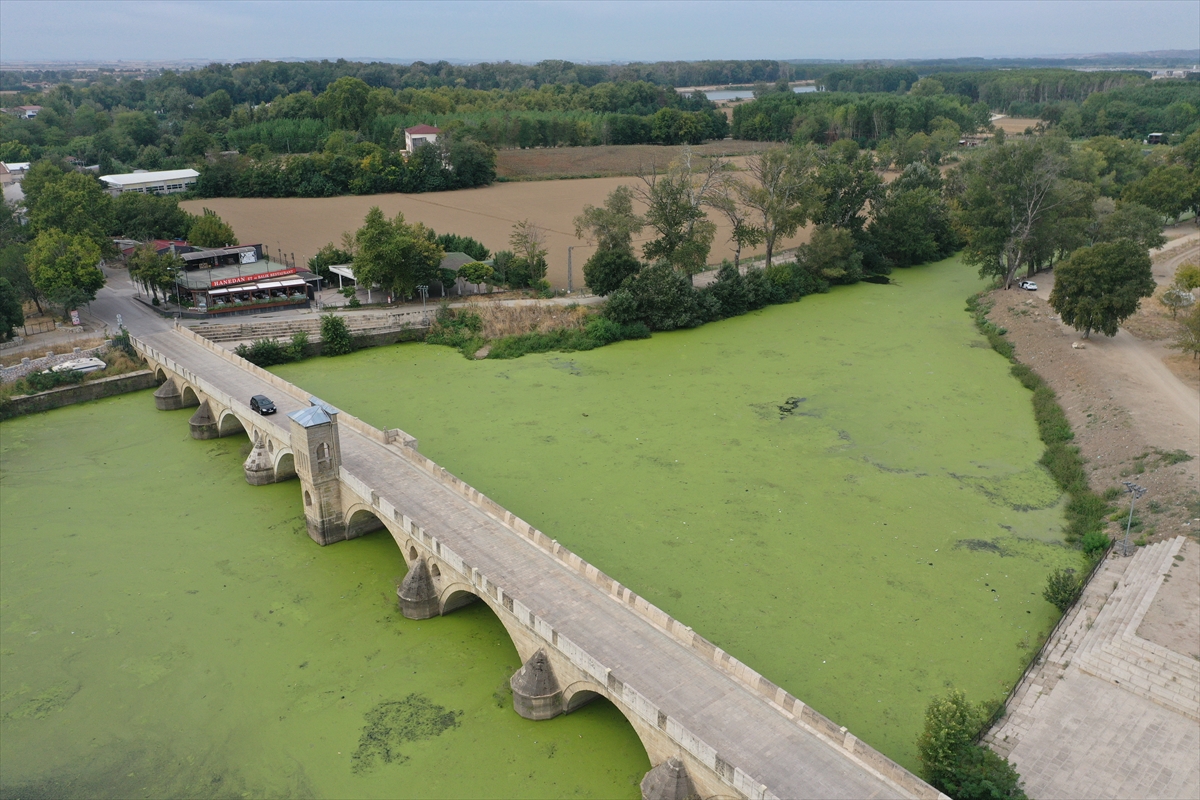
660,298
264,353
335,336
45,381
296,350
950,759
1095,542
606,270
459,329
1062,588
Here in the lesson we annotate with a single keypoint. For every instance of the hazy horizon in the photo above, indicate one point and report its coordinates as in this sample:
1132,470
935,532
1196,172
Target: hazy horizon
528,31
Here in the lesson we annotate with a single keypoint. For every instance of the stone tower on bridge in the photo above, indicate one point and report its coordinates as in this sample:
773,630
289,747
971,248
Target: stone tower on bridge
318,455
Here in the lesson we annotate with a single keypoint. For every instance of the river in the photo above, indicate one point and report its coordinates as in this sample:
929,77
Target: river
843,493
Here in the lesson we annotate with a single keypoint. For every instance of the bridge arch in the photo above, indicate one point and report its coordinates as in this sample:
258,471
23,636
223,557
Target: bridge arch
457,595
361,519
189,396
160,375
229,423
580,693
285,464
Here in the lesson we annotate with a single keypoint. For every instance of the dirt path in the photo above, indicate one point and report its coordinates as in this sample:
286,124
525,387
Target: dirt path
1131,414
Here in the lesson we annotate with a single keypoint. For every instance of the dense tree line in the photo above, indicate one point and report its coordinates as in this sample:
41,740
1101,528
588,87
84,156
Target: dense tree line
824,117
1000,89
887,79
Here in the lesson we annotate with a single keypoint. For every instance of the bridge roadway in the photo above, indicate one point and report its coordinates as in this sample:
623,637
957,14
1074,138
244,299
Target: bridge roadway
782,755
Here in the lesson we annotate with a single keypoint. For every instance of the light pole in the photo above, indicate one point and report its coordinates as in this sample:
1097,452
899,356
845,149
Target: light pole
178,300
569,249
424,290
1136,492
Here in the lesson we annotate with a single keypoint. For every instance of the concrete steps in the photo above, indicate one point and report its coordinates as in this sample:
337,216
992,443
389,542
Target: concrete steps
284,328
1114,652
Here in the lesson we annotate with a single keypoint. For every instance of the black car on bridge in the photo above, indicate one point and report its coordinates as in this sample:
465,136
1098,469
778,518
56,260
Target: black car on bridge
262,404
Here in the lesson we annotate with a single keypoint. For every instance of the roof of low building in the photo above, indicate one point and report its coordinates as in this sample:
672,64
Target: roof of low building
452,261
132,178
422,129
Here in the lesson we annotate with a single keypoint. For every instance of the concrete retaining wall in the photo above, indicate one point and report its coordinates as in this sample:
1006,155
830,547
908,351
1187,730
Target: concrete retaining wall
79,393
30,365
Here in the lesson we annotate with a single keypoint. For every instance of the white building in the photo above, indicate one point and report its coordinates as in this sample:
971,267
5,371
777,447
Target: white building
418,135
167,181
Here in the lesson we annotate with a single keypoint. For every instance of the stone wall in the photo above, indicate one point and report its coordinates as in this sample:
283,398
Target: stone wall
29,365
79,393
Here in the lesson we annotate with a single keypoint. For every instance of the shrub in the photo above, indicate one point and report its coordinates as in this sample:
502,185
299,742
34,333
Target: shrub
459,329
45,381
296,350
659,297
950,759
1062,588
335,336
264,353
606,270
1095,542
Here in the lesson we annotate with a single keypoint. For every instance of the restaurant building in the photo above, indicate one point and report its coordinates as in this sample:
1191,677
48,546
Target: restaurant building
238,279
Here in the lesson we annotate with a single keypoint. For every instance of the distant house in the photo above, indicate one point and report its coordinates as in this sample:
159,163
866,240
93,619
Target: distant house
14,171
24,112
420,135
1156,138
167,181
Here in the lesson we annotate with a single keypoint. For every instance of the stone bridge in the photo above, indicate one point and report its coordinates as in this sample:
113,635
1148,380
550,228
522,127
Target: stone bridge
712,726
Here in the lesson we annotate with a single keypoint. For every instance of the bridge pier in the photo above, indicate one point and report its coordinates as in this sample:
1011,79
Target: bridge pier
168,397
258,467
418,596
536,693
668,781
203,424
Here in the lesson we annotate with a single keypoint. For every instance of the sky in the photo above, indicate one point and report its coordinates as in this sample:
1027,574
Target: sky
596,31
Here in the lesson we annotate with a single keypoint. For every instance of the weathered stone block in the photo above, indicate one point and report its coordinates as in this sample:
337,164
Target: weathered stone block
418,596
203,424
536,693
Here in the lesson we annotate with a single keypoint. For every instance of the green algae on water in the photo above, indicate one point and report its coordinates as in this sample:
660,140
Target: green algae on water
170,631
794,484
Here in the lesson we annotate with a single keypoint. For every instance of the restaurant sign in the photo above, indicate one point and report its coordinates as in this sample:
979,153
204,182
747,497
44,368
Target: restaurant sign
279,273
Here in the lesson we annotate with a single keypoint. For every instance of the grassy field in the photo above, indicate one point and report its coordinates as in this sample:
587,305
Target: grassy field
606,161
303,225
844,492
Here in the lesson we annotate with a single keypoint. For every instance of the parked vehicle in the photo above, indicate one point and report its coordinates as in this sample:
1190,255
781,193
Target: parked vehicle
261,404
1028,286
79,365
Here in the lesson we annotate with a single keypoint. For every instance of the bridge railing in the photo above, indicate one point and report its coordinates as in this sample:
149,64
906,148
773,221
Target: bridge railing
787,704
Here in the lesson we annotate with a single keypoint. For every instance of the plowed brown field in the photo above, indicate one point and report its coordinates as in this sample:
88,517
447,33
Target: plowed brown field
303,225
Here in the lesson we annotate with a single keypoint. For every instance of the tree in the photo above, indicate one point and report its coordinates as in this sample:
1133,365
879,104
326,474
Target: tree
950,760
1175,298
726,199
528,241
675,204
395,255
147,216
153,270
1011,196
1187,276
848,181
63,268
660,297
1187,340
1167,189
344,103
607,269
209,230
15,270
1129,220
613,225
784,193
11,313
329,256
335,336
830,256
1062,588
911,227
476,272
1098,287
73,203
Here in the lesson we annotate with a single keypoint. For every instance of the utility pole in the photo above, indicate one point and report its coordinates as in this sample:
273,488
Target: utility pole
569,249
1136,492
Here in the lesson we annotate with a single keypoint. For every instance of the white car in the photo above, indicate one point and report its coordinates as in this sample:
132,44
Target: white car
79,365
1028,286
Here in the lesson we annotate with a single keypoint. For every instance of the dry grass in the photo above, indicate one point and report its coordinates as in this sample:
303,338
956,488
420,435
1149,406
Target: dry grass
1153,321
1185,367
9,359
1016,124
533,317
303,225
606,161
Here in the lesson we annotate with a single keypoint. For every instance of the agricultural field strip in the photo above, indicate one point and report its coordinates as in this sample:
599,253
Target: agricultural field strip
738,725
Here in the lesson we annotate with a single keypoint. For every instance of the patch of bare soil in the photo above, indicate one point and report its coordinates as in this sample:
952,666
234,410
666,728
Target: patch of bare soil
1133,419
548,163
1174,617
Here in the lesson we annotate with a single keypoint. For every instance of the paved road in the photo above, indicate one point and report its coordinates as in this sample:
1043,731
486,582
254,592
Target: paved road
745,730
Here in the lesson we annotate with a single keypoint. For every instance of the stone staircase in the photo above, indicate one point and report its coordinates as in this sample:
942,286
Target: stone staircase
1114,651
359,324
1099,637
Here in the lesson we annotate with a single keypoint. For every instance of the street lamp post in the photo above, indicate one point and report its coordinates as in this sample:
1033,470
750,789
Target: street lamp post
1136,492
424,290
178,300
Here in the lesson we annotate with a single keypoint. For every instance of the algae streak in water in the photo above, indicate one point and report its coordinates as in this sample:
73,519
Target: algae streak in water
807,486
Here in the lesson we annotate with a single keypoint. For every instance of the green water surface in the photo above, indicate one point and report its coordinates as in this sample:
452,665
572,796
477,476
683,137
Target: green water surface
843,492
167,630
